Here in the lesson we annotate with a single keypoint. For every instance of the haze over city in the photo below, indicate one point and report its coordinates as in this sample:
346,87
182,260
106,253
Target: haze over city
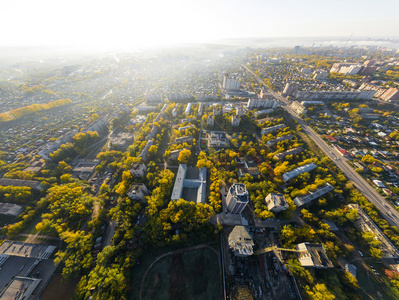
141,24
217,150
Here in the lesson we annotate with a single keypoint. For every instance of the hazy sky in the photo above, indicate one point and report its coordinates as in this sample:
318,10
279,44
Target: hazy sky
152,22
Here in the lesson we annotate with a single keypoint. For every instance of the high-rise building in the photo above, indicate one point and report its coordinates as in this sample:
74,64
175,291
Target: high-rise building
230,83
235,121
237,198
289,89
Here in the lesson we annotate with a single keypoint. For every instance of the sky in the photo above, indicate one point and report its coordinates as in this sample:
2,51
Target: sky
120,23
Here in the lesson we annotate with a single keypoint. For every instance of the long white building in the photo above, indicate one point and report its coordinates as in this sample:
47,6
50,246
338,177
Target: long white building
305,168
252,103
303,200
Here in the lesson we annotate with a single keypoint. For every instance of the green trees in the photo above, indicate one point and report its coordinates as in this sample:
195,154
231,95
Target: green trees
68,203
319,292
81,142
184,156
77,258
23,111
292,236
17,194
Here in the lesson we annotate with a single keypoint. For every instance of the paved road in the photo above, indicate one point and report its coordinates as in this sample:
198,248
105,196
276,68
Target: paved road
388,212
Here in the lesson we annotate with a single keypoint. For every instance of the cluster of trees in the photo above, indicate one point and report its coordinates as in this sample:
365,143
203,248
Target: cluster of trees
30,109
69,205
16,194
324,284
24,220
108,159
79,146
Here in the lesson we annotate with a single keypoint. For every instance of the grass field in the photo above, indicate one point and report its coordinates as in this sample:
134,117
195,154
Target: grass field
190,275
57,289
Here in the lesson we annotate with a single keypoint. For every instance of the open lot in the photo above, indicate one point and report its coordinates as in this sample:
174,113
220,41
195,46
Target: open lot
59,289
191,275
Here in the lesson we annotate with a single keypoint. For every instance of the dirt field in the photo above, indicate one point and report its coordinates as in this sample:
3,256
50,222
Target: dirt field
191,275
57,289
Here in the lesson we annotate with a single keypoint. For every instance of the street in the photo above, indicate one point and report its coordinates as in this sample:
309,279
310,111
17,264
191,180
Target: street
388,212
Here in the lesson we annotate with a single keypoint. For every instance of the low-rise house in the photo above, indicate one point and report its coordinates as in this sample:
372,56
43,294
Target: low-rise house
276,202
138,170
218,139
138,191
33,184
184,139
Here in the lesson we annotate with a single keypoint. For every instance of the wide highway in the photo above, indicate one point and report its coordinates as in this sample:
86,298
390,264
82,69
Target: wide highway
388,212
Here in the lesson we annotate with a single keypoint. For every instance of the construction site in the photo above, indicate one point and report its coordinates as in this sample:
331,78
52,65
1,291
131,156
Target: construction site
253,264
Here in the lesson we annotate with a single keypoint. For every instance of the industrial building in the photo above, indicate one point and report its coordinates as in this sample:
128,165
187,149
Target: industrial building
25,268
237,198
291,174
390,94
303,200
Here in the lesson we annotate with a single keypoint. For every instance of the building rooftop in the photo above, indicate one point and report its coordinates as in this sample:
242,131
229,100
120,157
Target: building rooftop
20,288
239,192
313,255
240,241
302,200
305,168
137,166
26,250
18,182
277,200
136,188
178,187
